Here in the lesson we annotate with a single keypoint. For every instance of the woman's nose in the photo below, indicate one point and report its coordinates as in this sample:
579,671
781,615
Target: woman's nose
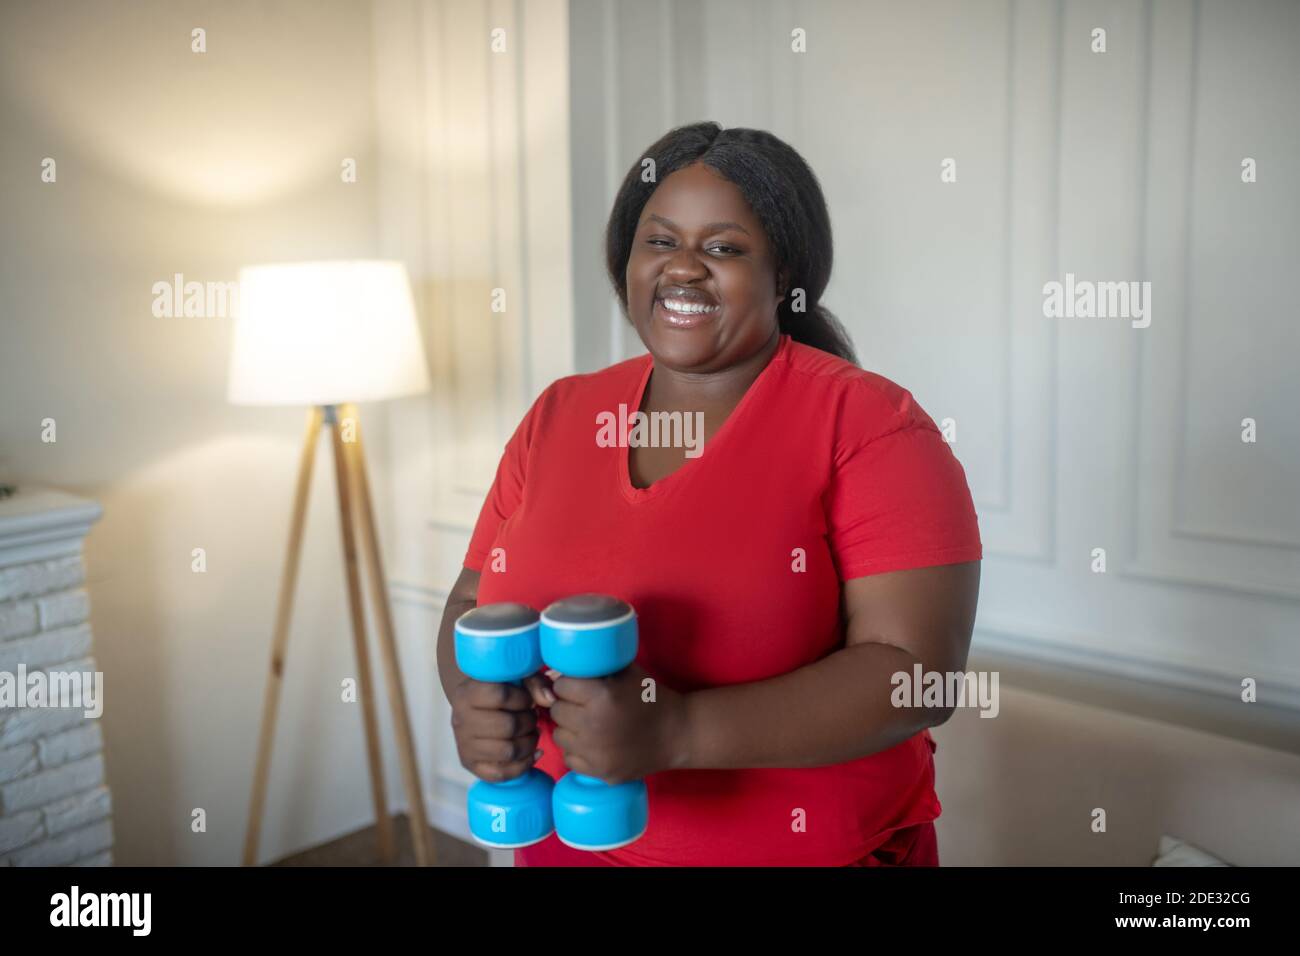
685,262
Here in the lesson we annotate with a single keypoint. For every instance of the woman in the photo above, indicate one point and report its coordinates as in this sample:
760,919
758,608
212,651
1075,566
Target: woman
823,542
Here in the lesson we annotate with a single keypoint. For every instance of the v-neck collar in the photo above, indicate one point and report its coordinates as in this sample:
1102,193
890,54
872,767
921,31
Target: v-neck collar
691,465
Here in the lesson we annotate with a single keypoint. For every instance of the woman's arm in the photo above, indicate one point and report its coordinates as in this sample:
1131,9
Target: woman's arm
463,597
839,708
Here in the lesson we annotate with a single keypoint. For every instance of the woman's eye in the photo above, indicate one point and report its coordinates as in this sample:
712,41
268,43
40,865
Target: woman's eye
727,250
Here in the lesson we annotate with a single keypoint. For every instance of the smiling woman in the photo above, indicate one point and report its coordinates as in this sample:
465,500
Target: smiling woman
823,542
748,205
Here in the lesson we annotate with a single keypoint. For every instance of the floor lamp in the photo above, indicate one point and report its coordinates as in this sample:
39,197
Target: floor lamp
324,335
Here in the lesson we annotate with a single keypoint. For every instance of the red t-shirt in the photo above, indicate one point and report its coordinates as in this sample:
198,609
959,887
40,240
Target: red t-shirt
819,455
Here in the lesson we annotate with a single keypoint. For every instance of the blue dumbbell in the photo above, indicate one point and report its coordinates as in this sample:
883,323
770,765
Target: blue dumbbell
593,635
498,643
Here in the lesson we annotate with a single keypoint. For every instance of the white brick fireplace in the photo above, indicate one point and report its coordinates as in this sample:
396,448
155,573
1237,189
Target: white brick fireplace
55,809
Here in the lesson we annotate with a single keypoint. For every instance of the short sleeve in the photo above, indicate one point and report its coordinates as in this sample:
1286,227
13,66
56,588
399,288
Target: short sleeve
899,500
507,491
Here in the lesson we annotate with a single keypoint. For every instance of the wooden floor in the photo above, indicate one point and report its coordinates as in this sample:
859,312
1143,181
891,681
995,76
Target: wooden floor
361,849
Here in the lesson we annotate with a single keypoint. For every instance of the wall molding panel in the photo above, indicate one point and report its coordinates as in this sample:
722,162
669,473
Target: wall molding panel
1166,544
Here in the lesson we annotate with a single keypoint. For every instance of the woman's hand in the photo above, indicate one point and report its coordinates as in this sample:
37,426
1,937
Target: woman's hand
622,727
495,727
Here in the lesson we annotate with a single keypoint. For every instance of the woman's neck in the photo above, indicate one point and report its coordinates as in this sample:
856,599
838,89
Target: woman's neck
672,389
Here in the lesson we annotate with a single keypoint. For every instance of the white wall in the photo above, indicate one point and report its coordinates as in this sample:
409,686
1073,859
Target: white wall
170,161
1075,434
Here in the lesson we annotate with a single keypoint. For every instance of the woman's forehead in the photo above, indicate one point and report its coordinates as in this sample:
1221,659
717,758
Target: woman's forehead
696,196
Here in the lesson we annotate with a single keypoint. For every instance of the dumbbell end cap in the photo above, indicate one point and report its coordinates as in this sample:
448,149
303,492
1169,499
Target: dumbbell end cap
497,620
588,610
511,846
604,848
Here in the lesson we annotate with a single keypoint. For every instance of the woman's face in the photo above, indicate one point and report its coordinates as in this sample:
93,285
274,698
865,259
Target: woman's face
698,246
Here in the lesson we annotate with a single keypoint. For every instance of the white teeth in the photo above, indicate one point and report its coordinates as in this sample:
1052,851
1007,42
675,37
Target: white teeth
686,308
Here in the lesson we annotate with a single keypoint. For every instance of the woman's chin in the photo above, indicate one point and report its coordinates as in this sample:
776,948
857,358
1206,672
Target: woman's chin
682,348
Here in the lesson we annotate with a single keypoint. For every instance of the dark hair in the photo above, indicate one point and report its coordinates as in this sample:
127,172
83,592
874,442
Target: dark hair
783,192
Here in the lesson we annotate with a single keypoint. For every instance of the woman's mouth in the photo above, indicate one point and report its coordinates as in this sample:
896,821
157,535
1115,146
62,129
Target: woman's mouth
684,314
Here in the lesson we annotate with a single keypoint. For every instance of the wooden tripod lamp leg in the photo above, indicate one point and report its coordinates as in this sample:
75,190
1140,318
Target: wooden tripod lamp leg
280,642
383,822
420,834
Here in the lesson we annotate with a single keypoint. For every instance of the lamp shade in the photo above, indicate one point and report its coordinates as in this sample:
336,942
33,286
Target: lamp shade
322,333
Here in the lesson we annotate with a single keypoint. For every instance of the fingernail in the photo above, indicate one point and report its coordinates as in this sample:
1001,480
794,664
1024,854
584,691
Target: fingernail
548,696
552,674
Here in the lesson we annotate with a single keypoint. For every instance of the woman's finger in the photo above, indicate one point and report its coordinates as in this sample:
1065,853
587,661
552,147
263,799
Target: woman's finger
539,685
566,740
495,772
